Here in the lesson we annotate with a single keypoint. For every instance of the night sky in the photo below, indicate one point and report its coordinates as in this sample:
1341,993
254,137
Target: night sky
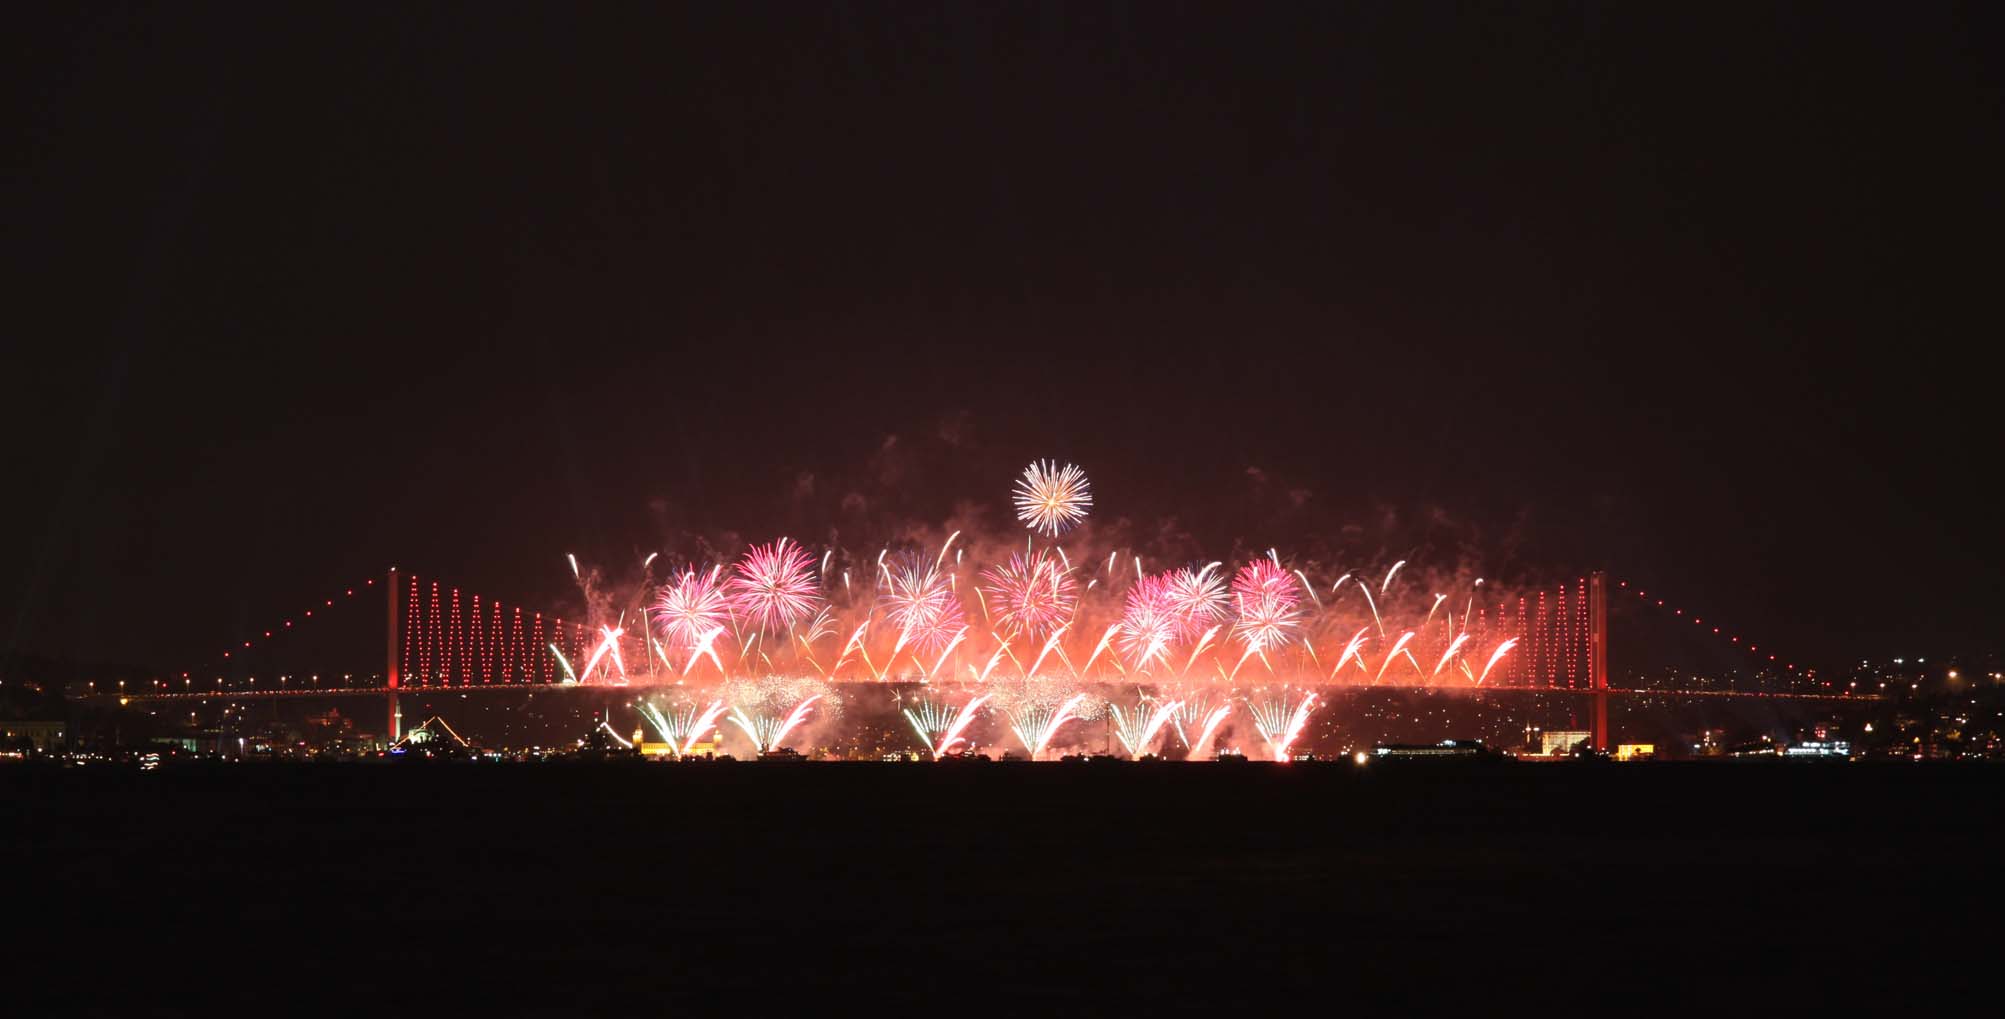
1705,297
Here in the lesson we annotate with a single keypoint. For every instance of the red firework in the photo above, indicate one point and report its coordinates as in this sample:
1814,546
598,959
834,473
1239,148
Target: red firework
1268,607
775,585
692,606
1031,594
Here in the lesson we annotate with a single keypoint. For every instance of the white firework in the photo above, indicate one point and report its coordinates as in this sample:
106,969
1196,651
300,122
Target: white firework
1050,499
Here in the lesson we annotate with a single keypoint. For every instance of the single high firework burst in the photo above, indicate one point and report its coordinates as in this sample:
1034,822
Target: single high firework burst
1050,499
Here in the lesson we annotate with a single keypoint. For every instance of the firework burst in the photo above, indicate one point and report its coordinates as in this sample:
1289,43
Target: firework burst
695,604
1148,623
775,585
923,605
1197,600
1051,499
1269,608
1033,594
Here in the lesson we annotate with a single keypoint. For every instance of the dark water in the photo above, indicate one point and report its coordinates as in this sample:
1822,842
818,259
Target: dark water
762,889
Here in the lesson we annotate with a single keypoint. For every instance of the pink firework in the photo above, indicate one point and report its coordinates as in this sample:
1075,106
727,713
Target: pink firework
1269,607
775,585
1196,600
1031,594
923,605
1148,622
692,606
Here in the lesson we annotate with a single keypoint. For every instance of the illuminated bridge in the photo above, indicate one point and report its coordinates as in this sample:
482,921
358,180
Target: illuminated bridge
437,638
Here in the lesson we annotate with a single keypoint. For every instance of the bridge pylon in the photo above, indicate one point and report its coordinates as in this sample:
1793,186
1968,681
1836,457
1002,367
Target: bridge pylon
392,666
1597,650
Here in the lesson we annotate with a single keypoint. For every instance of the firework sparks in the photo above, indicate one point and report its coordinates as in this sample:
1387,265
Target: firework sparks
941,727
1148,623
1036,710
682,728
1031,594
770,708
1268,607
1051,499
1138,725
692,606
1197,600
1495,657
923,606
1279,722
609,645
775,586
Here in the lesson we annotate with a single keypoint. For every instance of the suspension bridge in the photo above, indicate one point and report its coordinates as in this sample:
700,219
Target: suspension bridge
438,638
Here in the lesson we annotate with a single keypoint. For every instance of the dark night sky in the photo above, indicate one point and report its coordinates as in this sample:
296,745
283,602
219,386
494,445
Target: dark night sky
1705,296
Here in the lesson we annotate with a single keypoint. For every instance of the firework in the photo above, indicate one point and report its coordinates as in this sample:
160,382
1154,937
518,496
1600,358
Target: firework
939,726
1280,722
682,728
1037,709
923,605
1268,606
1050,499
1398,648
1148,623
692,606
1495,657
1448,655
1197,600
775,585
609,644
768,709
1351,651
1031,594
1138,725
1206,730
569,676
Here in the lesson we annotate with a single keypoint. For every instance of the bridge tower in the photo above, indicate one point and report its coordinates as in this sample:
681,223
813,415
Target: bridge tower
1597,653
393,661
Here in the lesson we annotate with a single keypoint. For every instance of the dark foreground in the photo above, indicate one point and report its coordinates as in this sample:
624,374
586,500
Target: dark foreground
764,889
